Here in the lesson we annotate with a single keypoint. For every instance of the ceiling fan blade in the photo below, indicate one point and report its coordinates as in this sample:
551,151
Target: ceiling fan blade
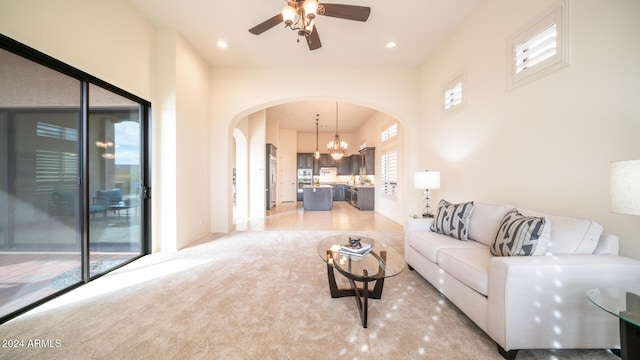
266,25
348,12
313,39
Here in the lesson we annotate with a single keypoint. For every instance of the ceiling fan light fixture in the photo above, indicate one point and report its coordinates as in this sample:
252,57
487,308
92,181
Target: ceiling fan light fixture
309,26
310,9
288,15
299,16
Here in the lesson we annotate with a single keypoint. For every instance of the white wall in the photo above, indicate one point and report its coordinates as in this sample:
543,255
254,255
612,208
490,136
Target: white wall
193,150
287,165
164,178
242,169
182,169
257,162
82,34
546,145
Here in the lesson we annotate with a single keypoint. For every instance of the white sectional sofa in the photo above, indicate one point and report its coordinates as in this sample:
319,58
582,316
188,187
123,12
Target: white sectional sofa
525,302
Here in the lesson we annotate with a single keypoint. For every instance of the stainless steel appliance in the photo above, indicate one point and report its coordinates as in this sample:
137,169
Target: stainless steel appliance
271,176
305,177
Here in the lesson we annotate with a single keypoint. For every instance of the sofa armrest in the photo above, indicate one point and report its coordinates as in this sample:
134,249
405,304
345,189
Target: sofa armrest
415,224
608,244
421,224
541,302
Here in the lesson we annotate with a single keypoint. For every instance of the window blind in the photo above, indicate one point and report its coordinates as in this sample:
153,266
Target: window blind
537,49
56,132
55,171
389,172
453,96
389,132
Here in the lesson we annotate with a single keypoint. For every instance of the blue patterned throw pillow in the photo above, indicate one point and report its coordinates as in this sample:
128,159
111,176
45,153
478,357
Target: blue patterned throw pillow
453,219
518,235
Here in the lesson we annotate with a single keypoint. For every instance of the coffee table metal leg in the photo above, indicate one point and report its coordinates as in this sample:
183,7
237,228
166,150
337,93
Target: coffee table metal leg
362,298
333,286
363,294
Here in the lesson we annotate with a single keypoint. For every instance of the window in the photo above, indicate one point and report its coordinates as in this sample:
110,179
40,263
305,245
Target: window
389,132
453,98
537,49
389,175
541,48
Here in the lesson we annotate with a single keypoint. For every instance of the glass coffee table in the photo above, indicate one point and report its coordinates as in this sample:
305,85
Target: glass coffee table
380,262
624,304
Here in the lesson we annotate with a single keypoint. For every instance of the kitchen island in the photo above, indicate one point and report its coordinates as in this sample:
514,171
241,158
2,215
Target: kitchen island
317,197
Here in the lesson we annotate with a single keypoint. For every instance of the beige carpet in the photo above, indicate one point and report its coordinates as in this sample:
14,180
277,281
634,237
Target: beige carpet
250,295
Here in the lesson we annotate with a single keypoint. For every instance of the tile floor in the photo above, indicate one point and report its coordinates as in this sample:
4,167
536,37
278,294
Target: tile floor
343,216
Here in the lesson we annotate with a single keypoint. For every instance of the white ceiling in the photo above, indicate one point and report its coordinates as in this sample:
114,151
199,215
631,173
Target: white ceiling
418,27
301,116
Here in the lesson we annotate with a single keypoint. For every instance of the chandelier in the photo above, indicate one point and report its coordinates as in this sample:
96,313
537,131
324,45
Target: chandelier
337,148
299,15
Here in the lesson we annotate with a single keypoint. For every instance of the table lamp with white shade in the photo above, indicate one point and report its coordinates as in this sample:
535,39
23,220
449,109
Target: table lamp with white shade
624,187
427,180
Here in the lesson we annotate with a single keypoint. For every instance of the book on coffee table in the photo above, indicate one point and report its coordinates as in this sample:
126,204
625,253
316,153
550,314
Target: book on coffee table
365,248
356,253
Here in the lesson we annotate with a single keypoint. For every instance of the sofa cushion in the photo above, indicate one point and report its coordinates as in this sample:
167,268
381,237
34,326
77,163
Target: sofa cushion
428,243
518,235
485,221
453,219
570,235
468,265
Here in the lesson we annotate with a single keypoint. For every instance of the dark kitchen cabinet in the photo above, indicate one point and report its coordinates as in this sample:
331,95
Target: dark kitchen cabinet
366,198
305,161
339,192
368,161
344,166
354,164
326,160
361,197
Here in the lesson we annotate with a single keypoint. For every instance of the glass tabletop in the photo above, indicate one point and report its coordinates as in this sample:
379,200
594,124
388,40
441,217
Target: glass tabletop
381,261
623,303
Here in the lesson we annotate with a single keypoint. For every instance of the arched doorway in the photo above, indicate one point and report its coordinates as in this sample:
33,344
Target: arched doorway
265,122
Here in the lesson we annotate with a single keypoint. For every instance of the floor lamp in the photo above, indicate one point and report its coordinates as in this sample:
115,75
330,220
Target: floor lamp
427,180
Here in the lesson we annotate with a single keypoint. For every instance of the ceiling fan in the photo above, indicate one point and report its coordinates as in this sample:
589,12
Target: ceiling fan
299,15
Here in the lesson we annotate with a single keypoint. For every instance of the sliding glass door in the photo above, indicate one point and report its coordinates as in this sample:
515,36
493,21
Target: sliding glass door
72,178
114,179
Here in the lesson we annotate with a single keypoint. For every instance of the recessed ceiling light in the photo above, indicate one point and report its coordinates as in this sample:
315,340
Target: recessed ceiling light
222,44
391,45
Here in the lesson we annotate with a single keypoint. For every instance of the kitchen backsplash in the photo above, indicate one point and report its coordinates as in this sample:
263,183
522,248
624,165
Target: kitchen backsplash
347,179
